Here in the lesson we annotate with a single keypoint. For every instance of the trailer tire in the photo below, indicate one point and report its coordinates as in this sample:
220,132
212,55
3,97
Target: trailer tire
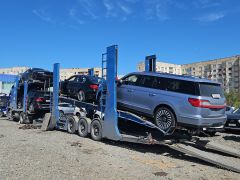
16,116
71,126
82,127
96,130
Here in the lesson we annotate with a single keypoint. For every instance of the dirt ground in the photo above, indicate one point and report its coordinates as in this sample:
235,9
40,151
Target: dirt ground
34,154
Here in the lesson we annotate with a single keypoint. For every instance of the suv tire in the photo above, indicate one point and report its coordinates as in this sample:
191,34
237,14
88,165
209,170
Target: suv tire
164,118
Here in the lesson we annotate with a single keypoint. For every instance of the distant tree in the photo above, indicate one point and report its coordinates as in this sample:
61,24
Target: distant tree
233,98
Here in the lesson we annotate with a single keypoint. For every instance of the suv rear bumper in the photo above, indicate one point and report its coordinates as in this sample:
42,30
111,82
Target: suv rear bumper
202,122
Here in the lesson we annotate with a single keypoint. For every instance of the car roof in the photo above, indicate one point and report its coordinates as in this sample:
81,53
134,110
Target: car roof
175,76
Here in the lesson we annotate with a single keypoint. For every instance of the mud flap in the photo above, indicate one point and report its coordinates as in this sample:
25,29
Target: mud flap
49,123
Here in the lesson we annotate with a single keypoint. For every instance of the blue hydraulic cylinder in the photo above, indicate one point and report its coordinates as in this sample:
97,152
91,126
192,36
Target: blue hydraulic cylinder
150,63
25,96
110,123
91,72
55,99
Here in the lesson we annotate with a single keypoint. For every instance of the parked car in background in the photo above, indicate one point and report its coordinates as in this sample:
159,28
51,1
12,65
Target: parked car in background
38,101
37,75
66,108
230,109
173,100
233,120
81,87
3,105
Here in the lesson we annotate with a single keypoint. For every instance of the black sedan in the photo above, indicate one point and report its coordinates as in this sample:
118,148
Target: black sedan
81,87
233,120
37,74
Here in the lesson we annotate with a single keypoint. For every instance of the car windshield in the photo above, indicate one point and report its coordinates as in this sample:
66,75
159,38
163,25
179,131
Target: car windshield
211,90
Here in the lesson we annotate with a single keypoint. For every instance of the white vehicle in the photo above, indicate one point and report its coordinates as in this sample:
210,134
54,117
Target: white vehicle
66,108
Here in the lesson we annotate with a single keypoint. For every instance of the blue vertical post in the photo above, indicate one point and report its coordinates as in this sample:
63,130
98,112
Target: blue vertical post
13,100
110,123
25,96
150,63
91,72
55,99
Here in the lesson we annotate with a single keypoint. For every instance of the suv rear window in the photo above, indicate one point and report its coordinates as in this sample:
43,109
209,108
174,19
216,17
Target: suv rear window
210,89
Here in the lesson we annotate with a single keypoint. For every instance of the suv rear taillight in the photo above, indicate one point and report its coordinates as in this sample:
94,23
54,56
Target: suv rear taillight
204,104
40,99
94,86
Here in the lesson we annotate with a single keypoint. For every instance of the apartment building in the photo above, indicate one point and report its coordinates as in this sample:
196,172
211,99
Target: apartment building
223,70
68,72
163,67
64,73
13,70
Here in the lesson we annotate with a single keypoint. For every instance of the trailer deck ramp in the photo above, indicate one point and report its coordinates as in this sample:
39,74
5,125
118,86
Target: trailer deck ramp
225,162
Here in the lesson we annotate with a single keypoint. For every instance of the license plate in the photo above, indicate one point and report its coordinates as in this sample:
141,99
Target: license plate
47,100
216,96
233,125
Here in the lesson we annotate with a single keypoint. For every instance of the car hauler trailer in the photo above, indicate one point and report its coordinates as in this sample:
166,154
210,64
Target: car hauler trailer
18,106
109,123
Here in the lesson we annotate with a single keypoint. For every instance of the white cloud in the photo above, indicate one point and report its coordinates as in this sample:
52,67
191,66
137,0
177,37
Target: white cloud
41,13
125,9
211,17
73,15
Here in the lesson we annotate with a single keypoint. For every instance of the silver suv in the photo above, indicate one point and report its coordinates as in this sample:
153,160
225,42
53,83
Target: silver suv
173,100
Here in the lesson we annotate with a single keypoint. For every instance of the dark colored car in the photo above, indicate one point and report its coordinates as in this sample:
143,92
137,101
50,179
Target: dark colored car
38,101
4,100
37,74
81,87
233,120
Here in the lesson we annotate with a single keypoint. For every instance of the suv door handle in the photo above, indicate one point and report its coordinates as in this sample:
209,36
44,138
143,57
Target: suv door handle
129,90
151,94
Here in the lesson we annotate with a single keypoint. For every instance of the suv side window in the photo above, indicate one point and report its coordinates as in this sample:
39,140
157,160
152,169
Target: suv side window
175,85
181,86
132,80
160,83
146,81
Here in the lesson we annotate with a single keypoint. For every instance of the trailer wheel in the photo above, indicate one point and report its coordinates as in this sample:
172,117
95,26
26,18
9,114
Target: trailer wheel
71,126
22,118
82,127
96,130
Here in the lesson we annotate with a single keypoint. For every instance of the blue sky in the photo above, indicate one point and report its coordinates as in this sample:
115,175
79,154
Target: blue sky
75,33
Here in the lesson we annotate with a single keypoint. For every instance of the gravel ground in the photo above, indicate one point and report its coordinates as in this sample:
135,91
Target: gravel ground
34,154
